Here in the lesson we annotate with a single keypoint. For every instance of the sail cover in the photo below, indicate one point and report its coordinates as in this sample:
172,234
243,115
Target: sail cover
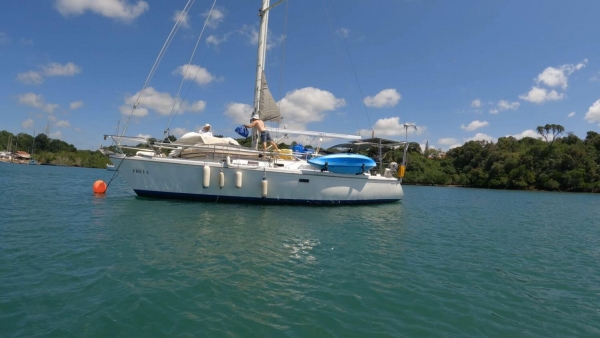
268,109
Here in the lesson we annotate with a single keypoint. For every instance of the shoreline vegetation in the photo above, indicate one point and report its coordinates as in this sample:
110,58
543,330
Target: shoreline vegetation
552,163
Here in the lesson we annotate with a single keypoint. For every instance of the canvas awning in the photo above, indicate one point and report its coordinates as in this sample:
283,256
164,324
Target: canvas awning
368,143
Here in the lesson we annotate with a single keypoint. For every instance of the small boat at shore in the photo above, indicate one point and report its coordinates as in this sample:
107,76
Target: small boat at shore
111,167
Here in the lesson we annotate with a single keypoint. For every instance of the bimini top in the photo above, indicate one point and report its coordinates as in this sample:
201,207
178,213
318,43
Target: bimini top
364,144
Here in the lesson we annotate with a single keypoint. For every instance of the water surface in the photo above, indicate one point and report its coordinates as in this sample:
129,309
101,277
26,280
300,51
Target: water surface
444,262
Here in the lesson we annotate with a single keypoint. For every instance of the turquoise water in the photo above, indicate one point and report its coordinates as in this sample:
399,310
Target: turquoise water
444,262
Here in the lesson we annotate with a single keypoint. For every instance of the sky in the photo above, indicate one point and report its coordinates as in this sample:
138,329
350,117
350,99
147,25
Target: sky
458,70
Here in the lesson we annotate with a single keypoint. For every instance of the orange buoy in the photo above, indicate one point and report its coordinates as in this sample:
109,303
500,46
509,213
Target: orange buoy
99,187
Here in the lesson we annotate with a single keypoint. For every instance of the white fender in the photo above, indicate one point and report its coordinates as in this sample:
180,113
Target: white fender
264,187
238,179
221,180
228,161
206,178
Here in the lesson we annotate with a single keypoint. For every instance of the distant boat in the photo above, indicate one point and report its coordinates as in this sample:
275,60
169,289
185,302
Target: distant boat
111,167
33,161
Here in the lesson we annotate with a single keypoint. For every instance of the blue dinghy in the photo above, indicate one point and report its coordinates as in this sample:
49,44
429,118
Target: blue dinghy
343,163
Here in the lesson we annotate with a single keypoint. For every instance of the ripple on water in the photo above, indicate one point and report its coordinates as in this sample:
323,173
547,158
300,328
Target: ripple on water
445,262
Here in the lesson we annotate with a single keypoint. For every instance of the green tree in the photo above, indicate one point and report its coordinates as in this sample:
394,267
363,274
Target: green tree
545,132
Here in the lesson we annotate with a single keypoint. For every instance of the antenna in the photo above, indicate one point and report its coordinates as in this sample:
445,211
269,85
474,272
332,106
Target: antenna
406,126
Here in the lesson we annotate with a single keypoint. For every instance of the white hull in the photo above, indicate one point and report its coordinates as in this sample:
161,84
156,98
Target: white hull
183,178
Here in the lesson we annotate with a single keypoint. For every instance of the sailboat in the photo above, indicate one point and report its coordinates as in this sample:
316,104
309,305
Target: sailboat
32,160
214,169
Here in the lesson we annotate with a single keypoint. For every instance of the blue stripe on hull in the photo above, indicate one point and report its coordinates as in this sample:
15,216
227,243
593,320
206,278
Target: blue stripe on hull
229,199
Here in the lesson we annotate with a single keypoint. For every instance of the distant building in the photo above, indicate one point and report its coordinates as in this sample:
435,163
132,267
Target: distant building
21,156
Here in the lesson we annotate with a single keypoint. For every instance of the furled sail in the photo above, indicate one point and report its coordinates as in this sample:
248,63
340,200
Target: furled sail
268,109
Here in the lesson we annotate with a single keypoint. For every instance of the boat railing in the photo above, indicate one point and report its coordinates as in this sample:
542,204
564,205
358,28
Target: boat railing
218,152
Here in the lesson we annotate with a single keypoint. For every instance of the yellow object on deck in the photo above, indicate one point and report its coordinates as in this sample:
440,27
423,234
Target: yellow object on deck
401,171
286,154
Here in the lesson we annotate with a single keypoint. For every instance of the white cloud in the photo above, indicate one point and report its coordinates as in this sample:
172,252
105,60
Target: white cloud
593,113
161,103
37,101
385,98
558,77
216,17
391,127
306,105
30,77
144,135
343,32
62,124
571,114
581,64
178,132
56,135
27,124
540,95
455,146
553,77
595,77
139,112
475,125
476,103
447,141
5,39
252,34
526,133
56,69
481,137
76,105
116,9
52,69
195,73
52,118
504,105
215,40
197,106
239,112
185,22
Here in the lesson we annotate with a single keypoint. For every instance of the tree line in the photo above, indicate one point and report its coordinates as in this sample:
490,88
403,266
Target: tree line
552,163
51,151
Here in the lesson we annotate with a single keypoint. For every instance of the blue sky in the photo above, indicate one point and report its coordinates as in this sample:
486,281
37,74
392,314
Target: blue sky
459,70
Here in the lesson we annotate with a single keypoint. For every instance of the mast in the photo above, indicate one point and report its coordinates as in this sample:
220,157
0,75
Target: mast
262,52
260,62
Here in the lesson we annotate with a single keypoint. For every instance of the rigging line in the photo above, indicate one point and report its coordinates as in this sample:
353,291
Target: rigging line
285,22
157,61
341,67
172,115
192,82
353,68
